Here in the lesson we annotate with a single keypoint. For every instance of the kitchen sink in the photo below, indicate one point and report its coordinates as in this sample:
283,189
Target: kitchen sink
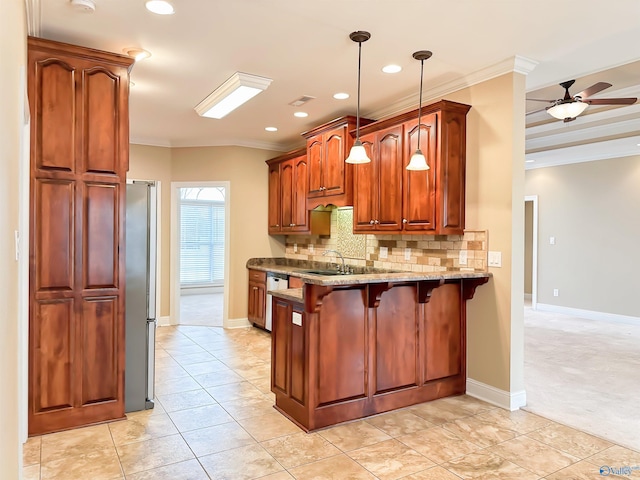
324,272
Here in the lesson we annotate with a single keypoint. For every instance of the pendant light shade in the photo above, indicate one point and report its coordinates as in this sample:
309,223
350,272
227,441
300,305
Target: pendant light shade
418,161
358,154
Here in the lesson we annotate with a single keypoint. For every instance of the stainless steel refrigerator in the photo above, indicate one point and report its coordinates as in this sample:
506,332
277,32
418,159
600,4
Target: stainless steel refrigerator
140,300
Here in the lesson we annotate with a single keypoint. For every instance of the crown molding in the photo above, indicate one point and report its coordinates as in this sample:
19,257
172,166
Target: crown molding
517,63
231,142
34,17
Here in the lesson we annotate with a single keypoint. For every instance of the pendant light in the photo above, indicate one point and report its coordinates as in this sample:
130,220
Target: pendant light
418,162
358,154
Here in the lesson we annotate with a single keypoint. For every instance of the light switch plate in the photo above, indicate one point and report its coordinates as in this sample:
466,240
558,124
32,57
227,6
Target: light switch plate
384,252
552,240
296,318
495,259
462,257
407,254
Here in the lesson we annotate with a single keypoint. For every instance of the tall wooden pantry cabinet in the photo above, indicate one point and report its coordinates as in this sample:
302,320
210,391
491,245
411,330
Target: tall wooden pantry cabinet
78,99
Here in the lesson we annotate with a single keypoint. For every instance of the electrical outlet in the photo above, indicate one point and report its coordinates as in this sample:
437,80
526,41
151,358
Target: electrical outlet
495,259
295,248
555,292
311,249
552,240
462,257
407,254
384,252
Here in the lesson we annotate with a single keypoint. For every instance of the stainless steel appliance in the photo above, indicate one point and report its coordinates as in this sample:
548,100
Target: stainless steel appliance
275,281
140,300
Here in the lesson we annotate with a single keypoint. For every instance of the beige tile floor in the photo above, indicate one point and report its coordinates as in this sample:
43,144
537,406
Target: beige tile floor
202,309
214,420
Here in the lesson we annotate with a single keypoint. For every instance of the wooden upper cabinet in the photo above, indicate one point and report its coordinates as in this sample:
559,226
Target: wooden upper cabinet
419,195
403,201
288,185
78,100
378,184
330,178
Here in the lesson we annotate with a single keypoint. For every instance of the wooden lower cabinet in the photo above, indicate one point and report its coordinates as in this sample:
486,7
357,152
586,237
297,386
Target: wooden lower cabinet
256,312
359,350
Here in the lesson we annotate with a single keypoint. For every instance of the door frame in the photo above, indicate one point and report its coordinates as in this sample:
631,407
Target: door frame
534,252
174,281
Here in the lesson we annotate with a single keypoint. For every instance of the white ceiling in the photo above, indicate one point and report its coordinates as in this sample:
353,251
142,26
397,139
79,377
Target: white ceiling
304,47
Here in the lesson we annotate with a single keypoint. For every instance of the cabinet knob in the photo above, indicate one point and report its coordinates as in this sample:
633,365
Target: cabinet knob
255,288
323,188
277,224
371,222
292,224
377,221
404,220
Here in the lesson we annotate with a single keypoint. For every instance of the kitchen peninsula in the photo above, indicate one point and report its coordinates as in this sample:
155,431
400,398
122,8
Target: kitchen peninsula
349,346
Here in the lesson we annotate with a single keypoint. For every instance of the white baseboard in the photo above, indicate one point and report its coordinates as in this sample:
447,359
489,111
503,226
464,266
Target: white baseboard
501,398
237,323
589,314
164,321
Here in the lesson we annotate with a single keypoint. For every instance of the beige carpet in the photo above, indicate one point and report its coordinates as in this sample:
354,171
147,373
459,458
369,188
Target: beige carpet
585,374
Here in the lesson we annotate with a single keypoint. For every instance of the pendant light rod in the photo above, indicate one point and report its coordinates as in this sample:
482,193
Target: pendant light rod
358,154
421,55
418,160
359,36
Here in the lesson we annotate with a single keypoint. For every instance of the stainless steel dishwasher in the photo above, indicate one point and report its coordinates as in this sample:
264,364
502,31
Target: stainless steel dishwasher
275,281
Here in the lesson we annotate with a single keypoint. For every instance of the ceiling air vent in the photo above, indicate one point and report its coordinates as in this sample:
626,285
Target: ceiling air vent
301,101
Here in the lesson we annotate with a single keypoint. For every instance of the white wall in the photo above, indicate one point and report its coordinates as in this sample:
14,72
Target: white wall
593,211
12,85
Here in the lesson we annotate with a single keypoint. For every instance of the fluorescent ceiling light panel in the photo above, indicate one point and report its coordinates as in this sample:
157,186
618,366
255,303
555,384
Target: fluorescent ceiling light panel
239,88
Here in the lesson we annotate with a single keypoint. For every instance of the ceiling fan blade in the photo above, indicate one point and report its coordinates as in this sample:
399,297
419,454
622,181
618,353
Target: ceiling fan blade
540,100
611,101
536,111
593,89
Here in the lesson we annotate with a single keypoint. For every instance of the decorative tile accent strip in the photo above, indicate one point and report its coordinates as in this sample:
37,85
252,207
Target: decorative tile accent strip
429,253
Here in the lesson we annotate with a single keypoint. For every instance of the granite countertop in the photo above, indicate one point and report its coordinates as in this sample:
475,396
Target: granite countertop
291,294
300,268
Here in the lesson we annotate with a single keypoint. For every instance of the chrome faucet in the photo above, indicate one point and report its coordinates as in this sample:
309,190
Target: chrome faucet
341,269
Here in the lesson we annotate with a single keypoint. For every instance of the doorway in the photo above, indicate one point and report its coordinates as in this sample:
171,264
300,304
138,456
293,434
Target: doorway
201,235
531,250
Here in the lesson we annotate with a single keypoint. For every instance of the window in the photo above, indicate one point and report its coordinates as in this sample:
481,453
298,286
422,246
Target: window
202,236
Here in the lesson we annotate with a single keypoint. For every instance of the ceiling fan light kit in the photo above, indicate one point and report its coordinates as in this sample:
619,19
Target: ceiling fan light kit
571,106
358,154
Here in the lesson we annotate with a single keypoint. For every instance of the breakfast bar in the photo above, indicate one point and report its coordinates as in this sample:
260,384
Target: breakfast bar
349,346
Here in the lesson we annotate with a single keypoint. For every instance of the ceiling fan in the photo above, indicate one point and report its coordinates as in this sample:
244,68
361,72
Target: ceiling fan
569,107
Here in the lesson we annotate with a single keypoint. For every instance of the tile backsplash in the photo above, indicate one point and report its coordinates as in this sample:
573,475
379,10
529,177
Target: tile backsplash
429,253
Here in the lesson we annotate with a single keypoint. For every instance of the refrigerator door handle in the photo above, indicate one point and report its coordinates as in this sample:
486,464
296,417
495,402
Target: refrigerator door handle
151,361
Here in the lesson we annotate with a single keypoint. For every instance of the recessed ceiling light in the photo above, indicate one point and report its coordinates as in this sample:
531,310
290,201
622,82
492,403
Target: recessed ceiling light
161,7
391,68
86,6
301,114
529,161
137,53
271,129
341,96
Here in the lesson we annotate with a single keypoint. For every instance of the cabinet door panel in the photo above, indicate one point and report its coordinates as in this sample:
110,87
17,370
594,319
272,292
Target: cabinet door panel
280,355
389,179
333,167
53,143
419,189
452,176
300,215
99,333
443,333
342,362
315,158
274,198
100,240
101,120
298,348
286,183
397,363
53,246
365,197
52,361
